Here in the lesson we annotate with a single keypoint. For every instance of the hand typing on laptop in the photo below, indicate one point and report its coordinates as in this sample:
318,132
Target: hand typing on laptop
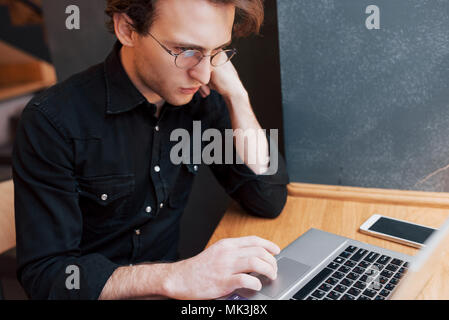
223,268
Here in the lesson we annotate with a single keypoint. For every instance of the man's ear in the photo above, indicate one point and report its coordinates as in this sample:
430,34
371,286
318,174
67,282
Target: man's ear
123,29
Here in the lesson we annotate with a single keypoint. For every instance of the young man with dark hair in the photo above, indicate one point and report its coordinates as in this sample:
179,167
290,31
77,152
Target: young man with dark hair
96,192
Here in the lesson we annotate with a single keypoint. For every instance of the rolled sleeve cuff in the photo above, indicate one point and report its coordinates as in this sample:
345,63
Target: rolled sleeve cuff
241,174
80,278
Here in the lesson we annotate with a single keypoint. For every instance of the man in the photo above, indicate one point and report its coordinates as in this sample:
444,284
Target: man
97,197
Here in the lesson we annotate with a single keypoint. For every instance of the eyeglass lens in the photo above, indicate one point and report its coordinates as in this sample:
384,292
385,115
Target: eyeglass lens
191,58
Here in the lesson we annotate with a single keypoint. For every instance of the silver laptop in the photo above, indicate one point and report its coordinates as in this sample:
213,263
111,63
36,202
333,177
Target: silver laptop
324,266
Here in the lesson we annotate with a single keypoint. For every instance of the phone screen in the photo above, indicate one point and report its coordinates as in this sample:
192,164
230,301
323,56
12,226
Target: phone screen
402,230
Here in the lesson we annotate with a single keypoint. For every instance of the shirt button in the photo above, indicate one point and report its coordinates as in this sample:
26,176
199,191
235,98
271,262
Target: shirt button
161,205
138,232
104,197
195,168
156,128
157,168
148,209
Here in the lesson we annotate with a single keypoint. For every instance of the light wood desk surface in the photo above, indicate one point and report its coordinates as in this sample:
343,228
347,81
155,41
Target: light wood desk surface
7,224
341,210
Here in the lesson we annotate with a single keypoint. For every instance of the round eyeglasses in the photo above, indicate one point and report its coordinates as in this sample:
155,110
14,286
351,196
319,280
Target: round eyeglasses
191,58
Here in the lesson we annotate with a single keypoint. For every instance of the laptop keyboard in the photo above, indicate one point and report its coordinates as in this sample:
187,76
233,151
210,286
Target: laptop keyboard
356,274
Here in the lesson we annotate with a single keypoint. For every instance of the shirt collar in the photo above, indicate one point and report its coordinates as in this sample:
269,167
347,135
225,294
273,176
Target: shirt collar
121,93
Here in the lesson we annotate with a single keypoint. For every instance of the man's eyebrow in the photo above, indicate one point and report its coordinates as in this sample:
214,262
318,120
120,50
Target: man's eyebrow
193,46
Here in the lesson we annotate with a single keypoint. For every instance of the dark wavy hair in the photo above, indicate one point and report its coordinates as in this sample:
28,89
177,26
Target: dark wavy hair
248,20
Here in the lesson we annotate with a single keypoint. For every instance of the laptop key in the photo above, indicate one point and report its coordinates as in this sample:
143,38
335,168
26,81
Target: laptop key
387,274
384,293
362,297
334,295
340,288
354,291
350,263
344,269
382,280
318,294
339,260
394,281
312,284
397,262
371,257
402,270
378,266
369,293
366,278
391,267
338,274
358,270
333,265
383,259
364,264
351,249
345,254
347,297
346,282
379,297
331,281
360,285
390,286
325,287
359,255
353,276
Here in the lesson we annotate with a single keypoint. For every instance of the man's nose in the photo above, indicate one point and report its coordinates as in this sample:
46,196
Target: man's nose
202,71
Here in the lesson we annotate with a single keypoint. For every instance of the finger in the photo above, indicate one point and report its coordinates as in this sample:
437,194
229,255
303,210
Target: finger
255,241
202,93
245,281
260,253
254,264
205,91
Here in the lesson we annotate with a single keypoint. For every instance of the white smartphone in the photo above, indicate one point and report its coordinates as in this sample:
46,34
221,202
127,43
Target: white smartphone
401,231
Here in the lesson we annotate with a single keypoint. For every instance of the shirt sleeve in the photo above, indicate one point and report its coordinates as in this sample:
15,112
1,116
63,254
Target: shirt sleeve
48,217
262,195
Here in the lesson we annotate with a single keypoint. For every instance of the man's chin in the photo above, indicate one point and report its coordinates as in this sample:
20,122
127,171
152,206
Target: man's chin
180,100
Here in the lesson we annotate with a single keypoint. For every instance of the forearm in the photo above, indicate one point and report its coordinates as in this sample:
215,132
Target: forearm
213,273
254,152
137,282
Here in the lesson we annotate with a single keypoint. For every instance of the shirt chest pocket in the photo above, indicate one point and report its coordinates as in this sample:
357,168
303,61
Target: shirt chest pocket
105,200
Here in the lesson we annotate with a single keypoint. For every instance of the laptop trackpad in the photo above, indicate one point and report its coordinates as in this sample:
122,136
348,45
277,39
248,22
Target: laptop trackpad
288,272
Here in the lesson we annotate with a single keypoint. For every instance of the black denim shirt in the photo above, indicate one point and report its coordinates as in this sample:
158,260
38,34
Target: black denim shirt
95,187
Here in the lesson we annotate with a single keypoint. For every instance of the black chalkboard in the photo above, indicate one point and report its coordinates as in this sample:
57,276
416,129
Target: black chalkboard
366,107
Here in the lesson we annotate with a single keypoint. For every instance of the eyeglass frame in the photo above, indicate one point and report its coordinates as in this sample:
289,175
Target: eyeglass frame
176,55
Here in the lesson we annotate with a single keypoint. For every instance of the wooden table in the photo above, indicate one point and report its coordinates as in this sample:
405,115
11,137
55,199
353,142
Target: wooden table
7,225
341,210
